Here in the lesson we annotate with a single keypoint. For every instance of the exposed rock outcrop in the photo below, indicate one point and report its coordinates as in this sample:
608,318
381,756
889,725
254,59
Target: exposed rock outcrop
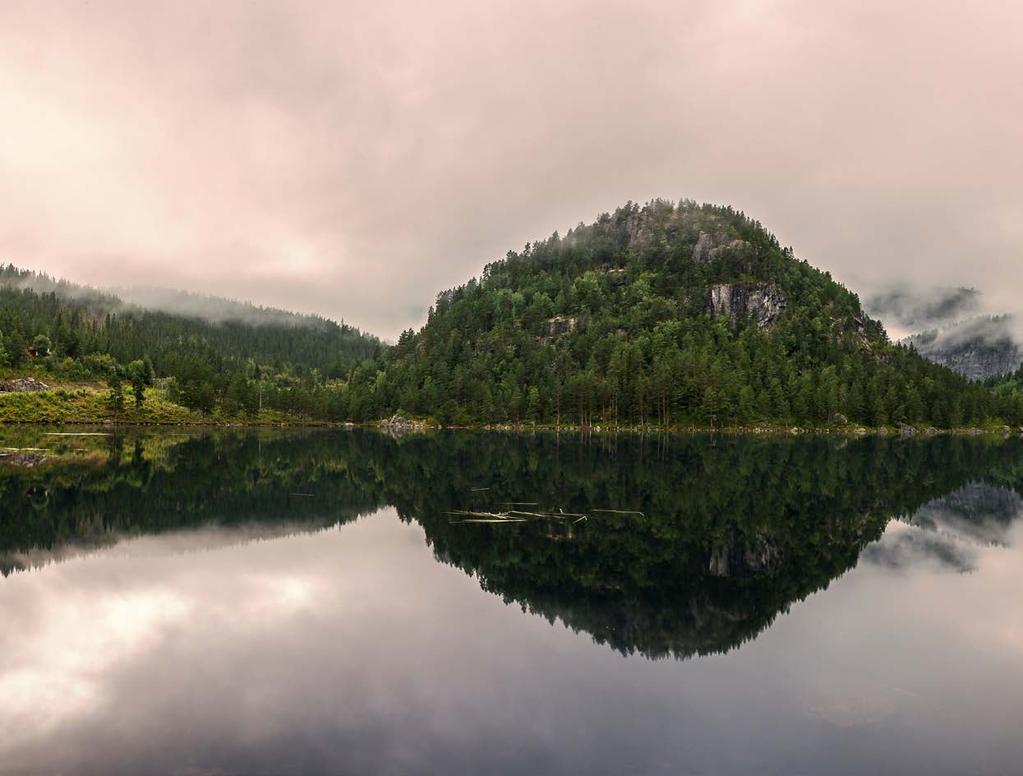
762,303
701,251
560,324
711,247
22,385
399,425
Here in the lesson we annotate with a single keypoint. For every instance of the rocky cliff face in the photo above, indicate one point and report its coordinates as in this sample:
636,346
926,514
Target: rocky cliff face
976,360
978,348
559,325
762,303
711,247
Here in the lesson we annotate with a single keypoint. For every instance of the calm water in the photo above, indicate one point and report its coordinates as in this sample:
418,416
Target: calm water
305,603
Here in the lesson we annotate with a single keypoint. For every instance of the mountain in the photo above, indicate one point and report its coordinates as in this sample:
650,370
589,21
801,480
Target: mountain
945,325
979,348
666,314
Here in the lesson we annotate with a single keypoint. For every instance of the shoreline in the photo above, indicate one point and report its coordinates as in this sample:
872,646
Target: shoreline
415,427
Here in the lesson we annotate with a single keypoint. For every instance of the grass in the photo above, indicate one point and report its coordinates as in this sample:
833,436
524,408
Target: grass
88,405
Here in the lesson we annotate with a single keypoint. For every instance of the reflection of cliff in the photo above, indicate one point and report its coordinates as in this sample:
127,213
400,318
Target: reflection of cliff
713,537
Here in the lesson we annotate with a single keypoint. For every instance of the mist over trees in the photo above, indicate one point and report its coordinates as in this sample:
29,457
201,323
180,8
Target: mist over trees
77,333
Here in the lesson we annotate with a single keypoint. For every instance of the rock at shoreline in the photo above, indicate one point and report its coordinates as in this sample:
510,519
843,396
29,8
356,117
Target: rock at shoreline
23,460
397,425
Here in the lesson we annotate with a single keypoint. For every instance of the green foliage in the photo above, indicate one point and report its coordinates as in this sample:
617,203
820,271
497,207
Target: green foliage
115,400
140,375
612,324
41,345
294,363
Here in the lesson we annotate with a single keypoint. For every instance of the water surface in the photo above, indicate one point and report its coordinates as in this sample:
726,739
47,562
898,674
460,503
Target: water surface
307,603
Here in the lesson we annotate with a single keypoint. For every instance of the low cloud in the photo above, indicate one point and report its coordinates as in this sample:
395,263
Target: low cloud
353,159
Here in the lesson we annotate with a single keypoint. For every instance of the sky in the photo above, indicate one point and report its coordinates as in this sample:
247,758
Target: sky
354,158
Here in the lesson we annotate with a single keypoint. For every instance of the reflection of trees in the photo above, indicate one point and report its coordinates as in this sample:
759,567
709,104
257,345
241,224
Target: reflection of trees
734,529
218,479
732,532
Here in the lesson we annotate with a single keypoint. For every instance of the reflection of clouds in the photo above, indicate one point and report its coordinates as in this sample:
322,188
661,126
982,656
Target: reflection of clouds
104,646
950,531
979,512
903,546
116,545
56,672
861,703
352,650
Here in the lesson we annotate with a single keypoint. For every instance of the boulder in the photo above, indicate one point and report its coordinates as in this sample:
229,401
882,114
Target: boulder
22,385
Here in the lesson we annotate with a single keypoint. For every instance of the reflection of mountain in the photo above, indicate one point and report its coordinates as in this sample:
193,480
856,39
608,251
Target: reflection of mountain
979,513
732,531
949,530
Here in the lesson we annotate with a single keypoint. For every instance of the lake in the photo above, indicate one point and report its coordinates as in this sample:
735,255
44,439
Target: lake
341,602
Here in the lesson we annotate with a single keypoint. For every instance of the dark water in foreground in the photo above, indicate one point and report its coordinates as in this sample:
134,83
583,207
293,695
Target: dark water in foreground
304,603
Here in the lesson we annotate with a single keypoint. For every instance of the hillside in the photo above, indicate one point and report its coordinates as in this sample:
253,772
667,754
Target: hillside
215,353
665,314
79,319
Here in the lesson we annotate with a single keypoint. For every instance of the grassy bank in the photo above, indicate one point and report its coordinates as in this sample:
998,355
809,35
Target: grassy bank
89,404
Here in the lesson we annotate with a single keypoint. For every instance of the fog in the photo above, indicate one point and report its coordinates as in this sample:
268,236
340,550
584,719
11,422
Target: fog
909,310
353,159
178,302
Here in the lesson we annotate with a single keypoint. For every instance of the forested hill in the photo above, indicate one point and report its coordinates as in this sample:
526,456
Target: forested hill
665,314
215,356
78,321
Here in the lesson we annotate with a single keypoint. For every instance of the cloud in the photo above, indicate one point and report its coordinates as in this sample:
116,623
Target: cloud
352,159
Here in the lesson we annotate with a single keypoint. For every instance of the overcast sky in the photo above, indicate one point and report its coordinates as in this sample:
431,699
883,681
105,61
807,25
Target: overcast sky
355,158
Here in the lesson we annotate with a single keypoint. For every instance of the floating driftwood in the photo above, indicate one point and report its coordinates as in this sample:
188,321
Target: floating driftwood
512,516
522,515
77,434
